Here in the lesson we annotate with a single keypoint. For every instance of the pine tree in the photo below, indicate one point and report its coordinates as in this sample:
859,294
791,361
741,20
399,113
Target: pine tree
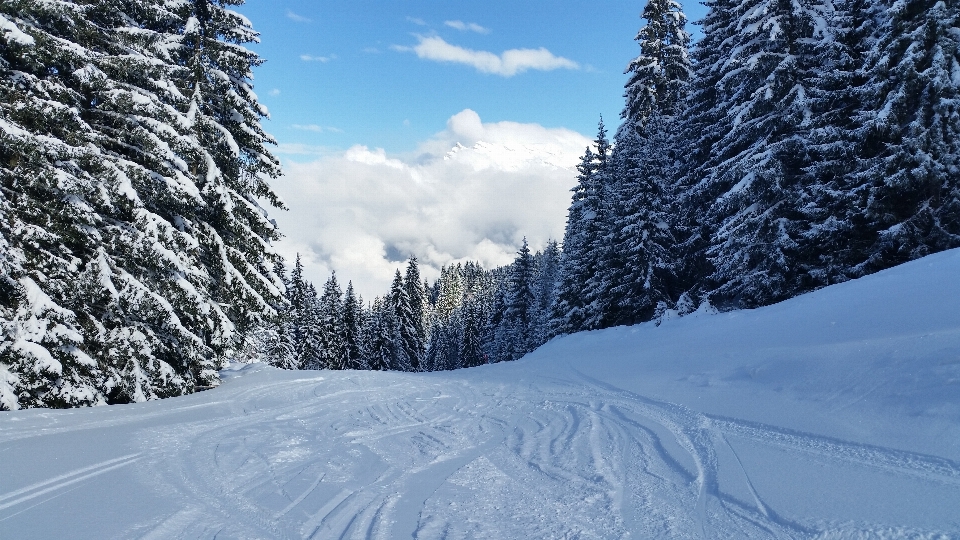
159,256
518,328
407,358
659,75
353,321
270,341
381,336
471,348
304,319
908,171
417,299
639,273
547,273
837,236
332,350
578,291
746,184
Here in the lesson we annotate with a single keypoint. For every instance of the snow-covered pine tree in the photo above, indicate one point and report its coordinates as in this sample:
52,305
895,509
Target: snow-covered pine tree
353,320
748,188
702,124
148,262
659,75
270,341
407,358
304,320
224,117
48,169
583,244
381,336
636,273
639,273
416,297
517,331
837,235
547,271
332,350
471,348
600,307
908,174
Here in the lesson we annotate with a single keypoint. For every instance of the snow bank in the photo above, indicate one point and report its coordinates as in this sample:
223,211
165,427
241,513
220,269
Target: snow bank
834,415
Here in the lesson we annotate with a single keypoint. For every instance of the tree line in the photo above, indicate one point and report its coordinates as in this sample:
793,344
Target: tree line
798,144
468,317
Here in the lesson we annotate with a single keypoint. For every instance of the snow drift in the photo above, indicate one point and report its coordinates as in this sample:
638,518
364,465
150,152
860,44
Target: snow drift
832,415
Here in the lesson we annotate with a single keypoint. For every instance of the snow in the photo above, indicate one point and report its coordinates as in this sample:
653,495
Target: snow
834,415
13,34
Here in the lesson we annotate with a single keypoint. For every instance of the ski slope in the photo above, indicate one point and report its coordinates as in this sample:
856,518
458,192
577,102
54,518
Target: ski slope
833,415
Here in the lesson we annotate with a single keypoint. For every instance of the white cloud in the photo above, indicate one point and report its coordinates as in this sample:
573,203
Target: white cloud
508,64
299,18
316,128
275,92
467,27
471,192
417,21
298,149
321,59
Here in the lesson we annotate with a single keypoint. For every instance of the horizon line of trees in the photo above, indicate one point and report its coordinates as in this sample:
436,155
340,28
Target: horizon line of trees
469,317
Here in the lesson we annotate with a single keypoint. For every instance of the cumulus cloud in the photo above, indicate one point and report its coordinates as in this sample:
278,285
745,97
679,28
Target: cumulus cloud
298,18
417,21
471,192
507,64
275,92
467,27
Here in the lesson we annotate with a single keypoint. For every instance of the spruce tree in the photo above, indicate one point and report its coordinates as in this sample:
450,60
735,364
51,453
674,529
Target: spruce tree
416,297
381,336
332,348
837,235
407,358
746,186
305,316
547,273
471,348
578,290
353,320
519,319
639,274
159,255
659,75
908,175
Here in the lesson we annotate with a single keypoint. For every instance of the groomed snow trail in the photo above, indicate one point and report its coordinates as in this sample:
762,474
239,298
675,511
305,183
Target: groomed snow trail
772,423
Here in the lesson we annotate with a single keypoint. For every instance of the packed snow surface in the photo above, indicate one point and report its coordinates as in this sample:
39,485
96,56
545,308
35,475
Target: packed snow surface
832,415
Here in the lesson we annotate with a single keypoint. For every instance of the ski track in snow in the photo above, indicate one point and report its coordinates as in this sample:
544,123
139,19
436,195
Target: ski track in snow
807,429
436,457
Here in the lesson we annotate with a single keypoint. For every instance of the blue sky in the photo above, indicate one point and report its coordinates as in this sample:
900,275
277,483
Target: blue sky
449,131
334,76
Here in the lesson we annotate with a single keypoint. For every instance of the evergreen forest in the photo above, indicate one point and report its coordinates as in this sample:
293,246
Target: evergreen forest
796,145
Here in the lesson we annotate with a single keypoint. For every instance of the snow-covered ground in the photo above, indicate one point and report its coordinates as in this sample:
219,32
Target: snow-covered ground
833,415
